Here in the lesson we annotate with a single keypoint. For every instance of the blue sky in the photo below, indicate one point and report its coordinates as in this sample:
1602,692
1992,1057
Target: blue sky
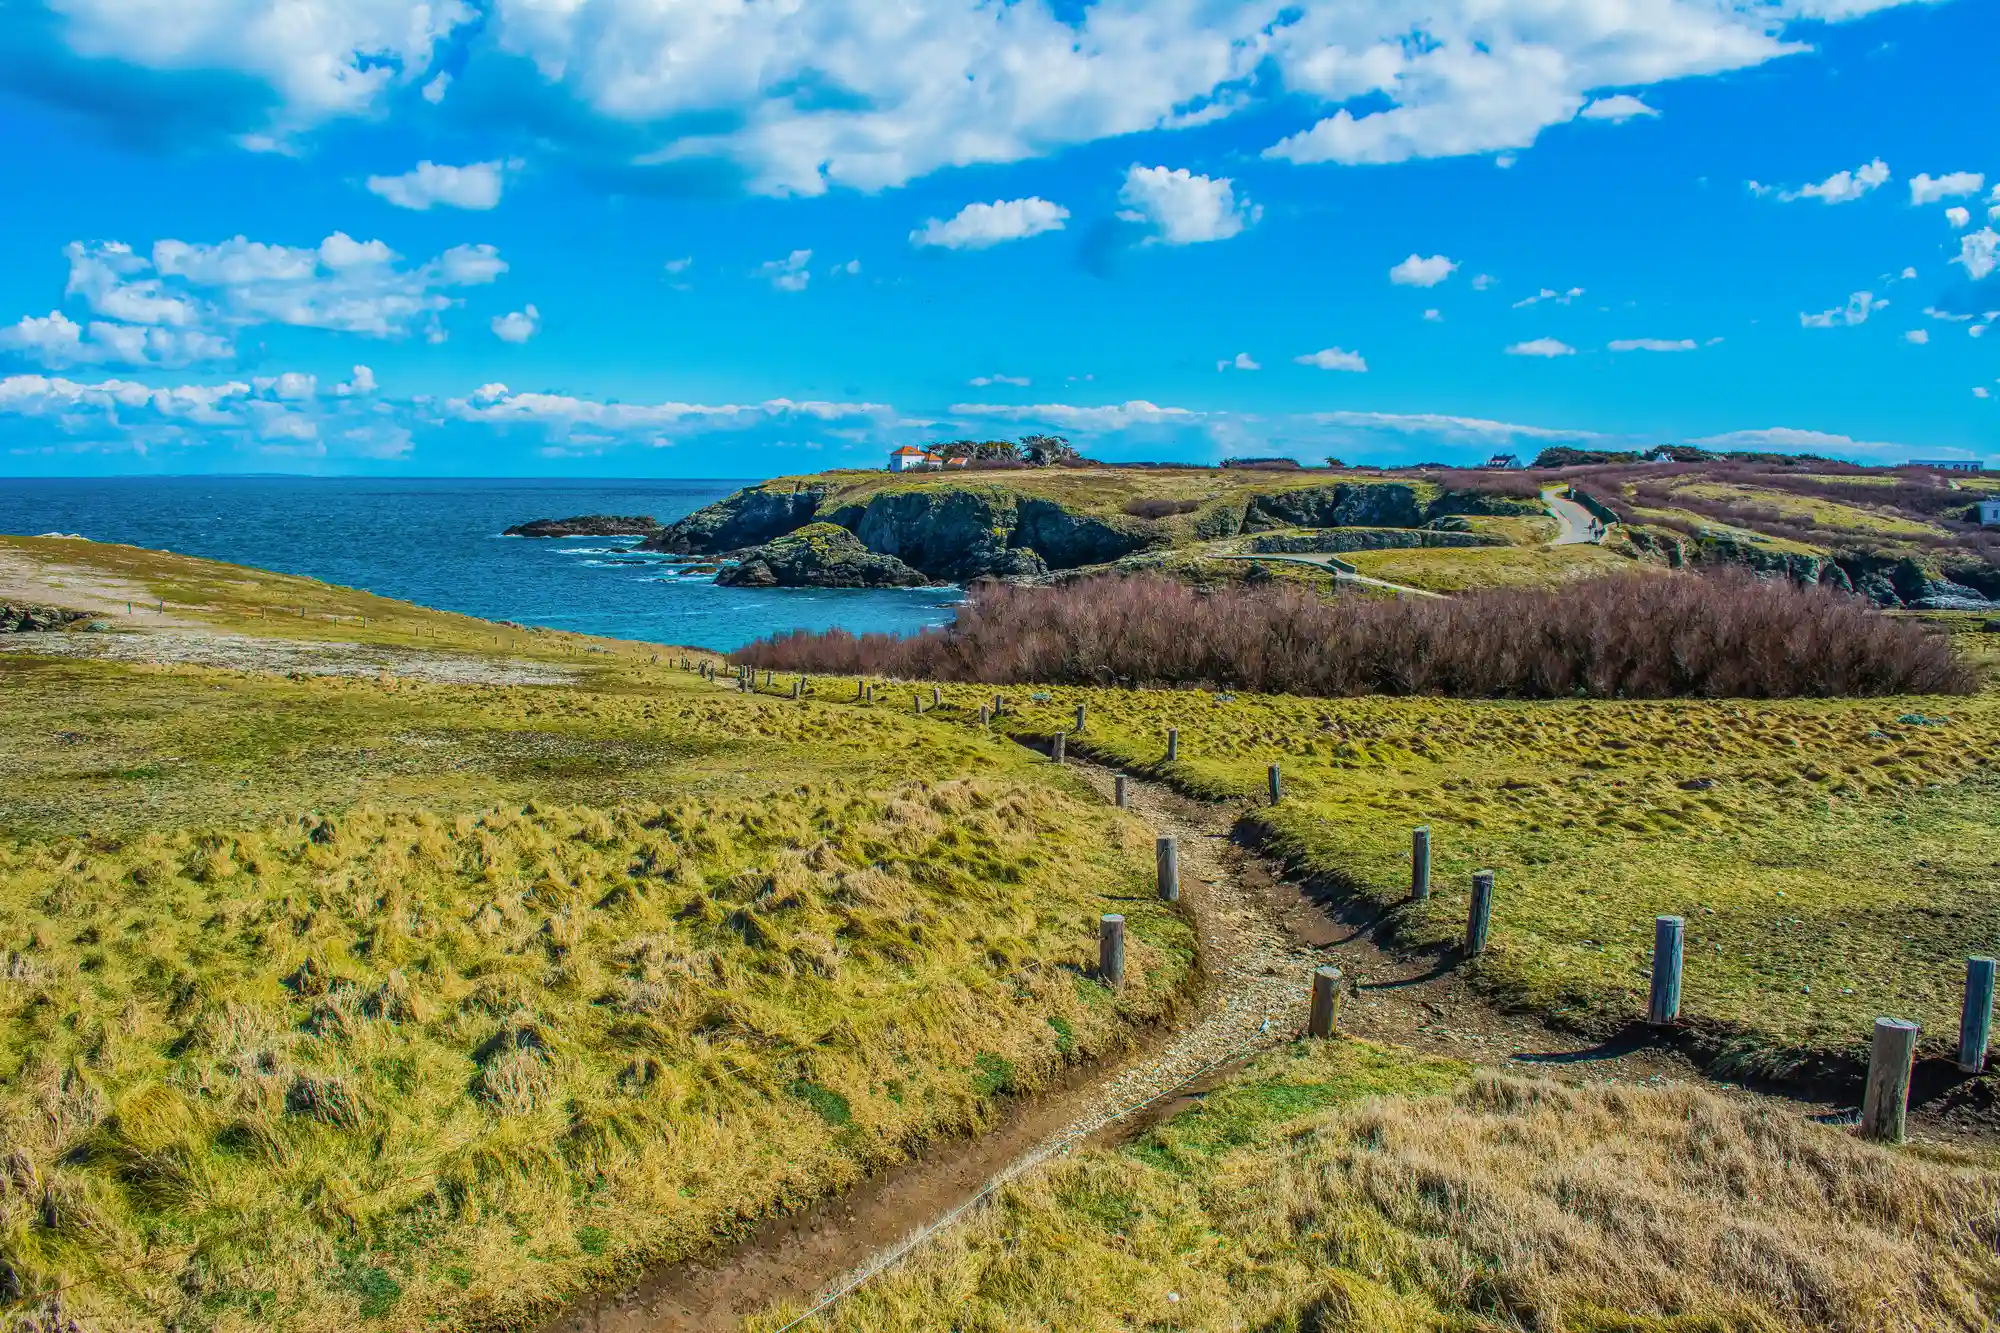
711,238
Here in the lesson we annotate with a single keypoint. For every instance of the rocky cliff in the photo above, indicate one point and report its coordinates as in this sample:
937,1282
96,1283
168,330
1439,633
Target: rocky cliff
588,525
744,519
819,555
1886,579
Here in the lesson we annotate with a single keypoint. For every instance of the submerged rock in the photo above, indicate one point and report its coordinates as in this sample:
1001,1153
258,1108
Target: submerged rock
819,555
588,525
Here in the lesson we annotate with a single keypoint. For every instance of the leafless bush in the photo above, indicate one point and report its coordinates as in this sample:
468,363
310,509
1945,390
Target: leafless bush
1627,636
1160,508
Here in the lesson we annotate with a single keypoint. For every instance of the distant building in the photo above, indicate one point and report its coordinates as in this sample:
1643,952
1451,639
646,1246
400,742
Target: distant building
1989,513
963,460
1503,461
1660,455
1948,464
908,459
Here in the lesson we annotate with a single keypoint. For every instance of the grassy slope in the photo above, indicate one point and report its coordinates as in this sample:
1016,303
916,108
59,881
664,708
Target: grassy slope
1833,861
1343,1186
331,1003
1448,569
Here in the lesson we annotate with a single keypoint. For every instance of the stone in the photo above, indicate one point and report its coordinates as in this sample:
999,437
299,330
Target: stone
819,555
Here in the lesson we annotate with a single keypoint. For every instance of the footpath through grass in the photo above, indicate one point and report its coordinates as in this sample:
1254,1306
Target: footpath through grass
1337,1186
331,1004
1835,860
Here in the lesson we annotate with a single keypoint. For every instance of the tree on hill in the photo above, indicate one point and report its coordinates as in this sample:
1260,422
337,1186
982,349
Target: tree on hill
979,451
1047,450
1563,456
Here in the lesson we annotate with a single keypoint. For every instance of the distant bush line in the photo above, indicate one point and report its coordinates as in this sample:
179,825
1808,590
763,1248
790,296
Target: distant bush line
1724,635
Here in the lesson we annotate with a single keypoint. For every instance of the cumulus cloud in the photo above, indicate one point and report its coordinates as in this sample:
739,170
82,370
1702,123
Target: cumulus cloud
1959,218
1842,187
283,415
857,94
788,274
1434,316
1549,294
1978,253
1789,440
977,226
1242,361
1018,381
475,186
1541,347
1926,189
1417,271
1181,208
1918,336
1069,417
518,326
1617,109
1859,306
1333,358
570,420
1652,345
57,342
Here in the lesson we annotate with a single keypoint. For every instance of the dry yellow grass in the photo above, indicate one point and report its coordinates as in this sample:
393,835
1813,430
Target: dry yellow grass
1348,1187
1464,569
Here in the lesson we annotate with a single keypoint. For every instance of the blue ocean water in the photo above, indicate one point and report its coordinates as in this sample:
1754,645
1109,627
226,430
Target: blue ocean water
438,542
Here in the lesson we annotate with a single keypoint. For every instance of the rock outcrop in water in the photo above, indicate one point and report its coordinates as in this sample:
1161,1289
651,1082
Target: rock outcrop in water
589,525
819,555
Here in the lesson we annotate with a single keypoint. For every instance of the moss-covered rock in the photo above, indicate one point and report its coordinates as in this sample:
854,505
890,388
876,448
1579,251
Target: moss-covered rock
588,525
819,555
753,515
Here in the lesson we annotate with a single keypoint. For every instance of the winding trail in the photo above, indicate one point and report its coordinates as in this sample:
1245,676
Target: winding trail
1575,525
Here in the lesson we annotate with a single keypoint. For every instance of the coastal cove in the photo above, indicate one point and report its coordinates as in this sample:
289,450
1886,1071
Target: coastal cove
437,542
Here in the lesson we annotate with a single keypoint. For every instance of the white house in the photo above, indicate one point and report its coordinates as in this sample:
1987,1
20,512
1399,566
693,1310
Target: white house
911,459
1989,513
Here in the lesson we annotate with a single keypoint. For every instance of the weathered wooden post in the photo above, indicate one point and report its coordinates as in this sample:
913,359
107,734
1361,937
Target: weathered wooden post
917,703
1325,1019
1663,1006
1276,782
1975,1021
767,679
1173,744
1420,864
798,686
1122,798
1082,713
1885,1106
860,689
1167,868
1480,920
1111,949
937,697
985,717
871,692
996,705
1056,753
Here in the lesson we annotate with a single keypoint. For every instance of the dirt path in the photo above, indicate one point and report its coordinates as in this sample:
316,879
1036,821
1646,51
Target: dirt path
23,579
1335,566
288,657
1575,525
1260,940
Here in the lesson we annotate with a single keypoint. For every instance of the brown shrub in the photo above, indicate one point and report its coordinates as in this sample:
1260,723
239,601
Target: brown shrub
1626,636
1160,508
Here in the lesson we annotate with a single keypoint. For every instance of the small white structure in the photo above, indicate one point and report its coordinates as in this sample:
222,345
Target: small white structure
1503,461
1989,513
911,459
1948,464
1660,455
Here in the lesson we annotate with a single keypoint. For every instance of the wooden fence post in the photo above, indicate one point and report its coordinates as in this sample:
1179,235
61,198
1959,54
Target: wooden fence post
1480,920
1420,863
798,685
1167,868
1082,712
1111,949
1173,744
1975,1020
937,697
1325,1020
1123,798
996,705
1056,752
1663,1006
1885,1106
859,690
985,717
871,692
1276,782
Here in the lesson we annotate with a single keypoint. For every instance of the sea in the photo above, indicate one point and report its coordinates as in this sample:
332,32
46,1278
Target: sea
439,543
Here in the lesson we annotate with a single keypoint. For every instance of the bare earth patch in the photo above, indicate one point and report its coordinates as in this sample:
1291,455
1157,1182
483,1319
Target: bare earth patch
285,657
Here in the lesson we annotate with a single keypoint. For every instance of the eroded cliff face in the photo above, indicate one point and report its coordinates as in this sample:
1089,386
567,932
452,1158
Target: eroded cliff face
819,555
748,518
1888,580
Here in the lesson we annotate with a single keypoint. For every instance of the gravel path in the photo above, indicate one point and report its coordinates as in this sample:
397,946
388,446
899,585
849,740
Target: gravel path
287,657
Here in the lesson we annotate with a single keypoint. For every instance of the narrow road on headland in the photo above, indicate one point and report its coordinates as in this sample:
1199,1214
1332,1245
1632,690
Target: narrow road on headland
1327,563
1575,525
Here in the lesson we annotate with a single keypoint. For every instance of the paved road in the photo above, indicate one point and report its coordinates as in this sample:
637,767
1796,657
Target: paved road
1575,526
1325,562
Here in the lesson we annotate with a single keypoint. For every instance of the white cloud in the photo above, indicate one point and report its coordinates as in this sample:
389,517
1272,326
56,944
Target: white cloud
1859,306
678,266
1064,416
1549,294
1018,381
1618,109
1333,358
1242,361
362,381
1979,391
518,326
56,341
977,226
790,273
1842,187
1789,440
1652,345
1918,336
1434,316
1417,271
851,269
1472,430
1979,252
1541,347
1483,281
474,186
1908,273
435,90
1925,189
1182,208
1959,218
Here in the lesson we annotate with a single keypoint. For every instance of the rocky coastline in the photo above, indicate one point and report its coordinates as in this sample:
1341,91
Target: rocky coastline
589,525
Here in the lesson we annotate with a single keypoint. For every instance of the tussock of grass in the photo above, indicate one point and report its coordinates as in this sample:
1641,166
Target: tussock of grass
1464,1203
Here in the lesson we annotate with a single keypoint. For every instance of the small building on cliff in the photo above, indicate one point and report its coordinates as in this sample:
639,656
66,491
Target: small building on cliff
911,459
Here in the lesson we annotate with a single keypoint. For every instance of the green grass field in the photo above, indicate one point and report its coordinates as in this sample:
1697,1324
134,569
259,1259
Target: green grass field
1834,860
331,1003
1468,569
